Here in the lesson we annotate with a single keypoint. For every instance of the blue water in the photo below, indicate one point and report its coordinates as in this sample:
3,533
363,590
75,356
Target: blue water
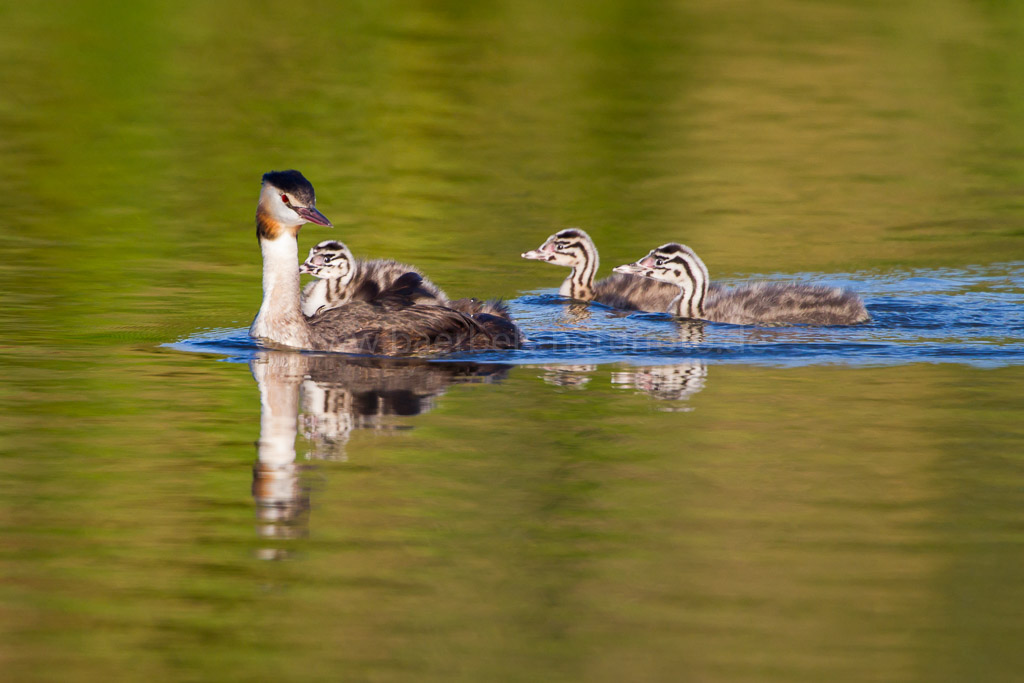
973,315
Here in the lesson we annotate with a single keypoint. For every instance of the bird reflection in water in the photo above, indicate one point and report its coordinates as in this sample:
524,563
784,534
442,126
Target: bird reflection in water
337,394
567,376
674,384
575,313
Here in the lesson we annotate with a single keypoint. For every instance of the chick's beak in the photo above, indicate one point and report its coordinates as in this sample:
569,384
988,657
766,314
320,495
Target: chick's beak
632,269
537,255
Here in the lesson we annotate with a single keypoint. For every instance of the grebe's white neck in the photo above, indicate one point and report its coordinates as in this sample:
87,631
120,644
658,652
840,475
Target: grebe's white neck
286,202
280,318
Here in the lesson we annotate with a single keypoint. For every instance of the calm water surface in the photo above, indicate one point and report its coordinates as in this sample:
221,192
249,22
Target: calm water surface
627,497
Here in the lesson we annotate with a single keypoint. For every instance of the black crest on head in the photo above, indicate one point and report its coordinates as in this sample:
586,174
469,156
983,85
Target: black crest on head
569,234
293,183
671,248
331,245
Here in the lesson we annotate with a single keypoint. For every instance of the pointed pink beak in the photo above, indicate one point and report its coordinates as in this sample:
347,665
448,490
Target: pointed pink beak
537,255
313,216
545,252
633,269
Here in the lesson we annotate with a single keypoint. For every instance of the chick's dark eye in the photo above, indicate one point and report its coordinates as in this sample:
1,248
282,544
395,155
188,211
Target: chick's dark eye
327,259
659,262
560,247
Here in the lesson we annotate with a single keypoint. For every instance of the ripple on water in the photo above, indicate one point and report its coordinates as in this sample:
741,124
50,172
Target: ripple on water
971,316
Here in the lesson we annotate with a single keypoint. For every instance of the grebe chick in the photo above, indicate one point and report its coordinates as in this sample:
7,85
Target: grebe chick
342,278
761,303
345,279
574,248
390,325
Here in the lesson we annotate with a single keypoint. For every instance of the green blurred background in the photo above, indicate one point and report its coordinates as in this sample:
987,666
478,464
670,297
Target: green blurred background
820,523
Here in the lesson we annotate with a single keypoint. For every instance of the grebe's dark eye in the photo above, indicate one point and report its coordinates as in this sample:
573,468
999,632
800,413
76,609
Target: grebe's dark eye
659,262
560,247
284,198
327,259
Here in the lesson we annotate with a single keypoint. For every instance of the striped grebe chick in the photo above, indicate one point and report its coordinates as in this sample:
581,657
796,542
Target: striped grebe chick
761,303
389,325
574,248
342,278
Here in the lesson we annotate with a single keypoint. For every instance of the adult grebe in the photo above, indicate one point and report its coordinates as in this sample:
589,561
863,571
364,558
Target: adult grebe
390,325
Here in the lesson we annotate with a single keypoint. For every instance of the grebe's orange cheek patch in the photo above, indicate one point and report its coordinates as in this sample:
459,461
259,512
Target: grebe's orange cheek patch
269,229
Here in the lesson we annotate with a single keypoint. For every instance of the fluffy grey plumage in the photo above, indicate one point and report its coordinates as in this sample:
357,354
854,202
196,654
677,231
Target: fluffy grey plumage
470,306
391,324
766,303
634,293
342,278
574,248
760,303
392,328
